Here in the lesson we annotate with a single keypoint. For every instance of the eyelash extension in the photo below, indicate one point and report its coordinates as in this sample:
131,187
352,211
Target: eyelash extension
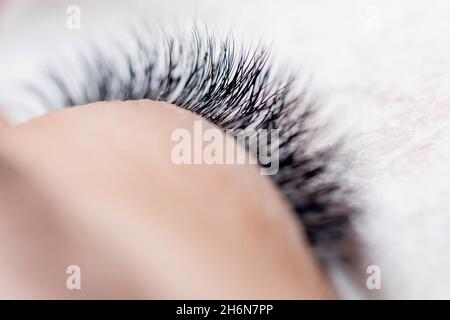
234,88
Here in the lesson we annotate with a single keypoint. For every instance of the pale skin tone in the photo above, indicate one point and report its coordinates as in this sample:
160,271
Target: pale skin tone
96,187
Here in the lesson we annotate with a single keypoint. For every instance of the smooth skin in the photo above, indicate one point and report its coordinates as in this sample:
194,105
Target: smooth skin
95,186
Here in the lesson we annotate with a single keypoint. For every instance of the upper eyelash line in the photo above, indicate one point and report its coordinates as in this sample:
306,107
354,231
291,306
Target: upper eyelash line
234,88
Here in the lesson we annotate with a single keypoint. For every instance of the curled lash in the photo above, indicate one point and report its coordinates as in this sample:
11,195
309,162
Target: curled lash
233,88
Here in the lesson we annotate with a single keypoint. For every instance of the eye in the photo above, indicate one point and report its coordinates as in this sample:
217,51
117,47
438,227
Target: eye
235,87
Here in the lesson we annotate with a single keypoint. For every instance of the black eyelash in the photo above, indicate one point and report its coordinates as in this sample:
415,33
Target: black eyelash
233,88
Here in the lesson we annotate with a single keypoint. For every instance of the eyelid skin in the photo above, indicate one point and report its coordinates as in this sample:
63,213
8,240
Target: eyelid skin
3,123
235,87
107,167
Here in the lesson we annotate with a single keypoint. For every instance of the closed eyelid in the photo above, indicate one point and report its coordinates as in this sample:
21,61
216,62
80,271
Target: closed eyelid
230,85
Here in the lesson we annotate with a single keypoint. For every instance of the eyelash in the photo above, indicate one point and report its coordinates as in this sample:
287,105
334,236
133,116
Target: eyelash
233,87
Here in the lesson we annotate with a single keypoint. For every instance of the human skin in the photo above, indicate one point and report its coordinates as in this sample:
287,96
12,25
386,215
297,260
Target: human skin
3,123
98,189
